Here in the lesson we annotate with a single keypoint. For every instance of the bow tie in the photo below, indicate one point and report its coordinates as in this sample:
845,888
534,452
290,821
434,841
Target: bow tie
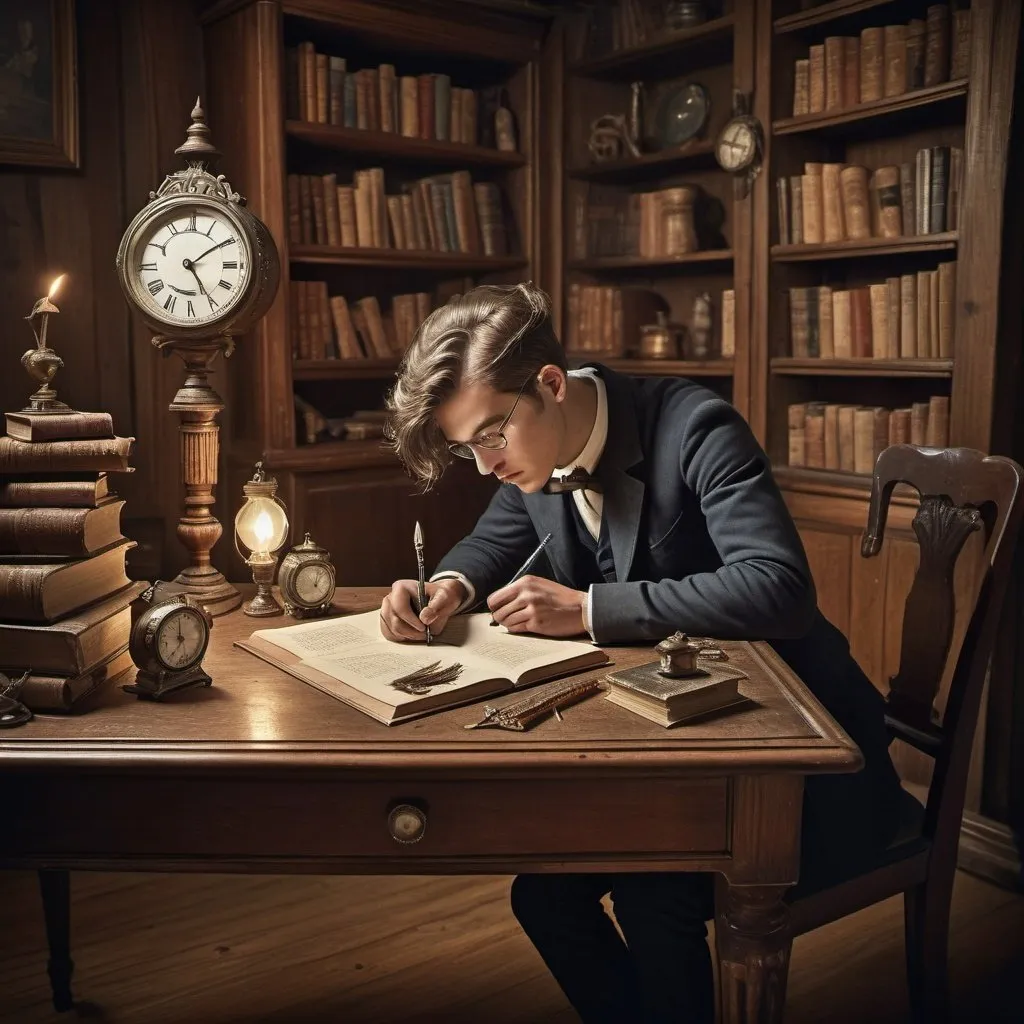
578,480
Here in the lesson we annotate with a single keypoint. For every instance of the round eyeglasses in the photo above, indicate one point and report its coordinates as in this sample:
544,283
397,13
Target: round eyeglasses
493,440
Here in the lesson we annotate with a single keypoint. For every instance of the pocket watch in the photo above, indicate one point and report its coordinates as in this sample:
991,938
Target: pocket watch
306,579
740,144
194,261
169,637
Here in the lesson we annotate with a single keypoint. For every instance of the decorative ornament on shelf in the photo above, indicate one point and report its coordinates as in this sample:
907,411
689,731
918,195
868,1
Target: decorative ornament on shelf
611,138
740,145
200,269
307,580
169,637
684,14
261,526
41,362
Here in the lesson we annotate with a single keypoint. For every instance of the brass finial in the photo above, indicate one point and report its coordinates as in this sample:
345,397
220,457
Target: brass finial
197,147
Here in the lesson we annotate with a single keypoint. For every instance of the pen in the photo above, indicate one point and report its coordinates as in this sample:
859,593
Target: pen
527,566
421,585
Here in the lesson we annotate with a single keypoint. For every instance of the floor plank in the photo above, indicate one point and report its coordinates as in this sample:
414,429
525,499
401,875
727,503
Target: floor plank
166,949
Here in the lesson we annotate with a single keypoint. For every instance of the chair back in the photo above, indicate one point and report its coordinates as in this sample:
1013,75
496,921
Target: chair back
962,490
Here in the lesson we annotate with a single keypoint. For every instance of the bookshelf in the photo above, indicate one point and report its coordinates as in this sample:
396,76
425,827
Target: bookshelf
371,145
951,360
628,247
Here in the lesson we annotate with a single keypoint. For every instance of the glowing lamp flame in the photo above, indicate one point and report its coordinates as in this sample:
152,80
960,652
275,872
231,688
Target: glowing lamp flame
264,529
55,287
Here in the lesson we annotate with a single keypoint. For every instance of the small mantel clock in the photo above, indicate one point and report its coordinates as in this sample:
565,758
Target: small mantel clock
200,269
307,580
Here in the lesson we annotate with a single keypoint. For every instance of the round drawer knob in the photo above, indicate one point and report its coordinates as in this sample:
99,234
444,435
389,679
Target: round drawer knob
407,823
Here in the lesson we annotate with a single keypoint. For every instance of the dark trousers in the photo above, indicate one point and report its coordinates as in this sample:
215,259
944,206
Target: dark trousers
661,973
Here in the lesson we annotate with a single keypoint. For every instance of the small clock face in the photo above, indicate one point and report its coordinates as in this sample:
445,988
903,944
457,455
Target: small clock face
313,584
181,639
737,146
190,265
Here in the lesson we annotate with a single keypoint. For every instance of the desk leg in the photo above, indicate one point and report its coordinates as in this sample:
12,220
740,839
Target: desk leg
753,938
55,886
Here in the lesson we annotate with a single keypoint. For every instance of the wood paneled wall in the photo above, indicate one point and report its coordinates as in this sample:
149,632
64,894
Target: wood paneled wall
140,68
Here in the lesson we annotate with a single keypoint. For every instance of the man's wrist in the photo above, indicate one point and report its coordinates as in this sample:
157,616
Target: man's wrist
467,593
457,587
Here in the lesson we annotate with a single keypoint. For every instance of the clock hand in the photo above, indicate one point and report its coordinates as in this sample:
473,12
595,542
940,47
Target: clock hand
212,247
190,265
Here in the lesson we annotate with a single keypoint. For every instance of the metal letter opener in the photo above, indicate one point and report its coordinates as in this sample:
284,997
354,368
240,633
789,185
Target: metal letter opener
519,714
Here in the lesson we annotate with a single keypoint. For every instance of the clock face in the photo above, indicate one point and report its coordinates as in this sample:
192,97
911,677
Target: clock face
313,583
736,146
181,639
189,265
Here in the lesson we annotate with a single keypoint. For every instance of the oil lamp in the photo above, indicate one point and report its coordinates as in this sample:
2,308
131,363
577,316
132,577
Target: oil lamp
261,527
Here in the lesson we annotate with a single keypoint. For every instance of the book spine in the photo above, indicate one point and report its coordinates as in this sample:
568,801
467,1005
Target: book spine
43,531
101,456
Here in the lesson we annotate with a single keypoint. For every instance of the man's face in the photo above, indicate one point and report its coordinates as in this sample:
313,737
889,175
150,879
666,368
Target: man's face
534,431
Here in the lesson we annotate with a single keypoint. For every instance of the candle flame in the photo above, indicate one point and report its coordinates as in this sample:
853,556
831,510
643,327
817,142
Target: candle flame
263,528
55,287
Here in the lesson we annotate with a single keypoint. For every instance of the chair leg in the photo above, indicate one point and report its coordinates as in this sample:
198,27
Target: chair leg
55,886
926,921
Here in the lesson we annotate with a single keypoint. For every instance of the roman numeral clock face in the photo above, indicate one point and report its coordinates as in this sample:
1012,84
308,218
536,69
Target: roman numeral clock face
191,266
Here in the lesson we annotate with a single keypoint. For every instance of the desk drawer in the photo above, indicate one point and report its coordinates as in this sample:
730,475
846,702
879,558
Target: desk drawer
237,818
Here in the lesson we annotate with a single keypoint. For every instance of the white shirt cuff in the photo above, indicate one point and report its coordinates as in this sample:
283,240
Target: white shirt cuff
470,589
587,612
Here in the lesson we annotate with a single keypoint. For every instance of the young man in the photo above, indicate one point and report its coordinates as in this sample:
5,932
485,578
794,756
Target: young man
664,516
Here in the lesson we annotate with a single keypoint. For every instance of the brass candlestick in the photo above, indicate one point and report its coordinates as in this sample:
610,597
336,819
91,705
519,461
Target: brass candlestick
41,362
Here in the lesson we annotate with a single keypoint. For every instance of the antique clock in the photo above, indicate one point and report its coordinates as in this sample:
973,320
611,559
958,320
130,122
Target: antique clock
307,580
200,269
168,639
740,144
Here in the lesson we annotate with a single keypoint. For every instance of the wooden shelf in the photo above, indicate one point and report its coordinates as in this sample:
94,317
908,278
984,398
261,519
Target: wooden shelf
697,152
403,259
704,46
831,480
390,145
938,242
330,456
789,366
823,13
672,367
343,369
889,109
639,263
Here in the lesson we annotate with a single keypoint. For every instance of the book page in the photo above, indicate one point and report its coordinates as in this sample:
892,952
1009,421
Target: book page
327,637
352,650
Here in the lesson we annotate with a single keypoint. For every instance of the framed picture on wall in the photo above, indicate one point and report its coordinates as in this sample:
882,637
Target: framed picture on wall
38,83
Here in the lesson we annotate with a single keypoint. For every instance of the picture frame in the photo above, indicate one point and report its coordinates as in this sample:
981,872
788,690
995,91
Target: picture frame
38,84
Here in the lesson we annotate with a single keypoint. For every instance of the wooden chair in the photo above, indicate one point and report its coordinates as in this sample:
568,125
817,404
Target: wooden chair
961,491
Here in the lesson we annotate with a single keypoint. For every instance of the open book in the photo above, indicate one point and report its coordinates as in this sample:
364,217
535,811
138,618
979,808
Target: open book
349,659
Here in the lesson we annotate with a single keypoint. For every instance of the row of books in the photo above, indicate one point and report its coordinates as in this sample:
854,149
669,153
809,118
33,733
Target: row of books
836,202
651,225
321,89
849,438
328,326
443,213
315,427
606,320
627,23
906,317
65,595
845,71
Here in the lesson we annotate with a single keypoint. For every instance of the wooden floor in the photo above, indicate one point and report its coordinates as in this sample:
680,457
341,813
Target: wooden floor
156,949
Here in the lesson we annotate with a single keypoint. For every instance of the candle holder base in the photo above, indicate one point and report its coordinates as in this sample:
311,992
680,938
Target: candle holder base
263,604
209,587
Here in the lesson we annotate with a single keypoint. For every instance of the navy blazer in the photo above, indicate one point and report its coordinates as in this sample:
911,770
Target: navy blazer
702,542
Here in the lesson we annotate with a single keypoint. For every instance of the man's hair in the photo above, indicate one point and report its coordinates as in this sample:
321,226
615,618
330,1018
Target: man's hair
497,335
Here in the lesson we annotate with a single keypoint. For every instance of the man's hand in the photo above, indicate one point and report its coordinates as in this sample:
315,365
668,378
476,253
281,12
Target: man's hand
537,605
398,618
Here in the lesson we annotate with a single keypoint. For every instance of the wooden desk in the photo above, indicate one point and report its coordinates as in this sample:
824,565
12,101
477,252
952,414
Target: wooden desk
262,773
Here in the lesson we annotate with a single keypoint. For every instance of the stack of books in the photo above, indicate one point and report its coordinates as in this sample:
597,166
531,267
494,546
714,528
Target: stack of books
646,692
65,596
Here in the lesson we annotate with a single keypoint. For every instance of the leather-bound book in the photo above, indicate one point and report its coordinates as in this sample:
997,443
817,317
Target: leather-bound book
47,694
59,426
936,45
68,532
853,182
31,492
895,58
834,73
872,64
109,455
